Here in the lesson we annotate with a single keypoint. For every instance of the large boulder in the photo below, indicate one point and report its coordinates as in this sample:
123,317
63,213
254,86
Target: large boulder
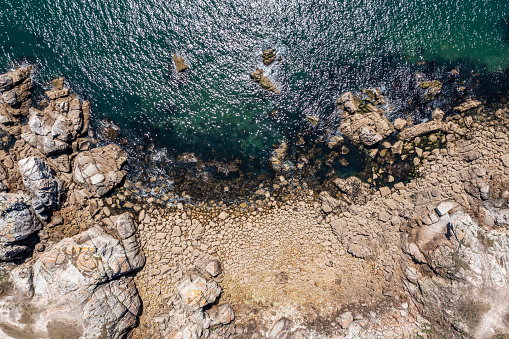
17,223
41,182
99,170
15,98
83,283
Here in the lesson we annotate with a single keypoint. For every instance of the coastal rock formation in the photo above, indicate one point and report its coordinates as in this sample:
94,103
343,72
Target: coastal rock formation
80,283
467,105
363,123
263,81
53,129
180,64
99,170
17,223
41,182
15,98
268,56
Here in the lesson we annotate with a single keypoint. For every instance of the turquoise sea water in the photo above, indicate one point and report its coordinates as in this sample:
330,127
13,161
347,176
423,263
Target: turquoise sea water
118,54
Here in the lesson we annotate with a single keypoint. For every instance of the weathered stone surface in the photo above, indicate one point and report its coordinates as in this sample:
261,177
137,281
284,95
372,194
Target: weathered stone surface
15,98
41,182
99,170
17,222
421,129
467,105
399,124
196,291
263,81
221,315
81,281
280,329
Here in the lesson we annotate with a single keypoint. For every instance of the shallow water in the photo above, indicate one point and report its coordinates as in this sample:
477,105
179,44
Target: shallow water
118,54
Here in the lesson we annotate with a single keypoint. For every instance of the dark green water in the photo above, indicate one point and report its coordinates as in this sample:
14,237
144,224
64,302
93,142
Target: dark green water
118,54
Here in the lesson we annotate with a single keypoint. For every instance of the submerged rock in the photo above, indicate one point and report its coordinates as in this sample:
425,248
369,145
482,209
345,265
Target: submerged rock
17,222
99,170
80,282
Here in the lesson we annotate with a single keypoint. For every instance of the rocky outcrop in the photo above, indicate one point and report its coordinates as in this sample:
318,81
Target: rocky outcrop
264,82
467,294
15,98
53,129
17,223
40,181
467,105
268,56
81,282
430,127
362,121
180,63
99,170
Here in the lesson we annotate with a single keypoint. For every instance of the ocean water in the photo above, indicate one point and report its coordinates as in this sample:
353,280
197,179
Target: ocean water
118,54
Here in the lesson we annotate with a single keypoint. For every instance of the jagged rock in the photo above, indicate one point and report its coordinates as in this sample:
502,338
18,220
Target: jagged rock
367,126
41,182
429,127
15,98
432,88
278,156
313,120
268,56
263,81
180,63
356,190
213,268
81,282
17,222
196,291
471,278
328,202
99,170
437,114
467,105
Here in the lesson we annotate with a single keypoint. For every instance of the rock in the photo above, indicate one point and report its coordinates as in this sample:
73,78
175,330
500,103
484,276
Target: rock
180,63
421,129
40,247
278,155
385,191
345,319
348,102
223,215
313,120
444,207
432,88
41,182
85,279
196,292
437,114
505,160
263,81
268,56
369,137
467,105
221,315
399,124
384,216
99,170
328,202
127,231
397,148
17,223
15,99
360,249
213,268
280,329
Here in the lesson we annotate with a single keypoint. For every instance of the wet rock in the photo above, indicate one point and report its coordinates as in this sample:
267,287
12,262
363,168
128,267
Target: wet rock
180,63
313,120
15,98
467,105
83,278
432,88
263,81
41,182
17,222
99,170
268,56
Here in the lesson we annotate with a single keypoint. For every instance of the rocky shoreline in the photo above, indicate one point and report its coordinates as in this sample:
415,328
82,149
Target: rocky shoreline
83,256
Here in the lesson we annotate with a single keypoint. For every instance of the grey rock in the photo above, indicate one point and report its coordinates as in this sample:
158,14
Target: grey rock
197,292
41,182
85,279
221,315
99,170
17,222
280,329
444,207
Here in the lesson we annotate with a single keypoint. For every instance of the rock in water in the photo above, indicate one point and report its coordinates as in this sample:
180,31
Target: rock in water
41,182
17,222
180,63
99,170
268,56
81,282
263,81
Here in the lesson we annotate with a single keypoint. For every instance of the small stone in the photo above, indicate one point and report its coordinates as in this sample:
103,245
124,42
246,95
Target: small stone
444,207
223,215
385,191
384,216
40,247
